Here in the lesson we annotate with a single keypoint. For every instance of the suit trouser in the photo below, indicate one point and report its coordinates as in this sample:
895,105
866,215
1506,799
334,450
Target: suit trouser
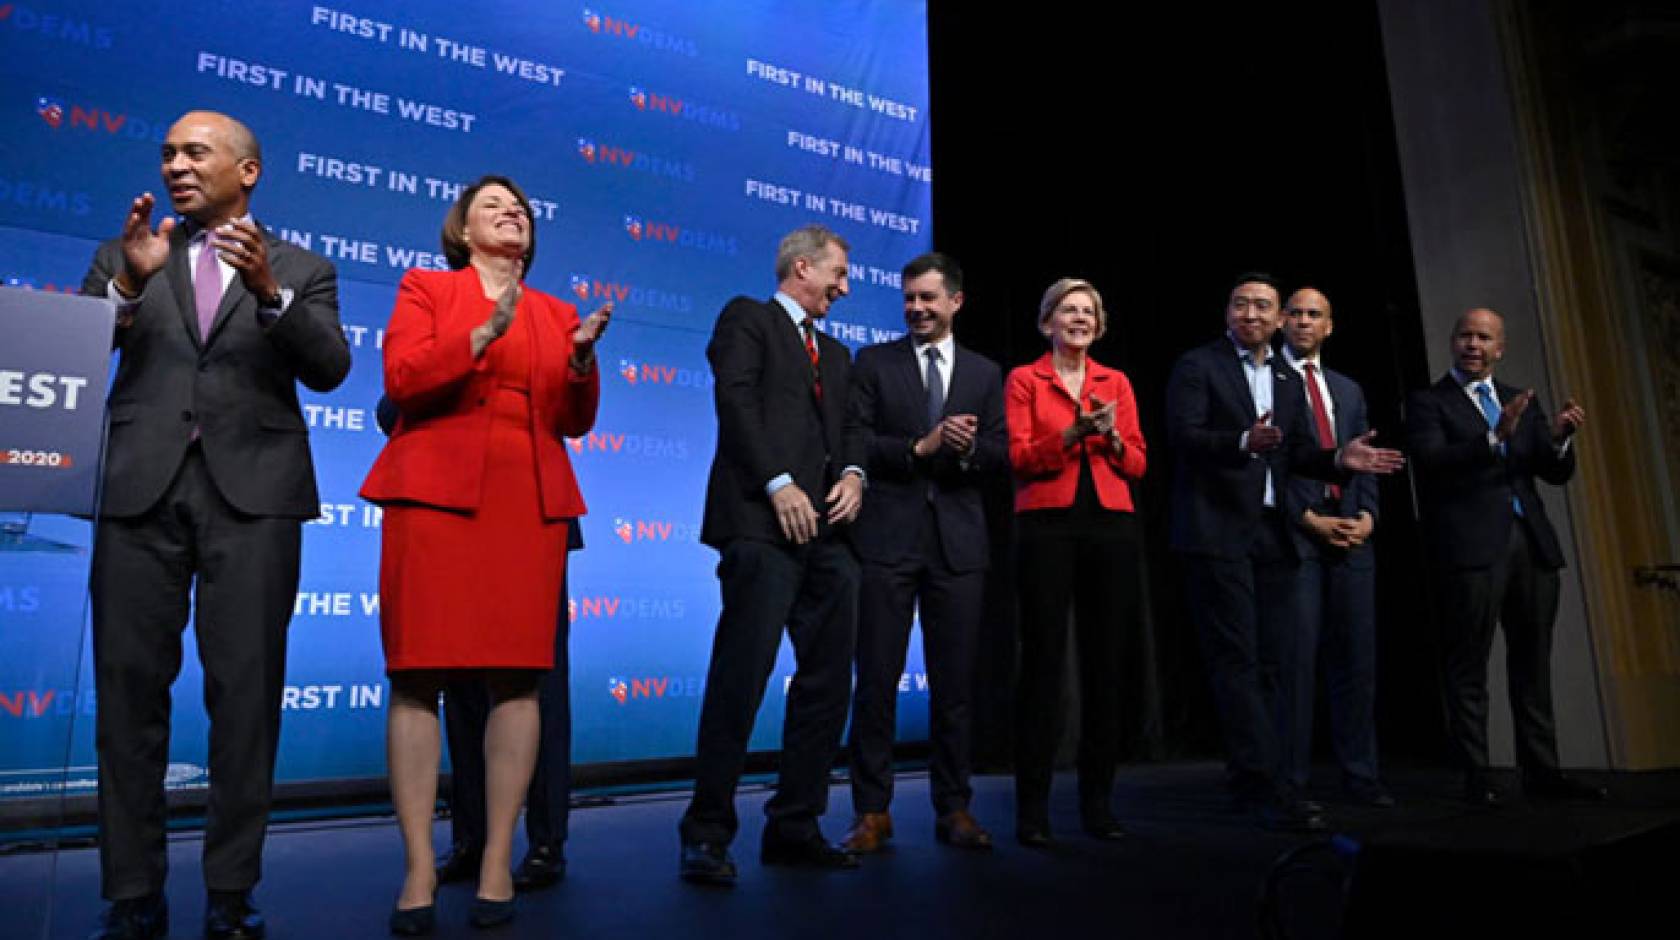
1520,594
1088,565
1335,601
243,572
812,590
1244,609
548,801
950,604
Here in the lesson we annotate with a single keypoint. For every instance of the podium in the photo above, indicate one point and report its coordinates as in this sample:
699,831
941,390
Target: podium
54,367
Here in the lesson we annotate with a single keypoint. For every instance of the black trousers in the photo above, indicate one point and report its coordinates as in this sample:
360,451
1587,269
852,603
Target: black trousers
950,603
466,709
812,591
242,571
1245,615
1519,594
1086,563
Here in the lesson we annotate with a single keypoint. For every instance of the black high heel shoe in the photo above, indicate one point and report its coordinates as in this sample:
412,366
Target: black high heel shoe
488,913
415,921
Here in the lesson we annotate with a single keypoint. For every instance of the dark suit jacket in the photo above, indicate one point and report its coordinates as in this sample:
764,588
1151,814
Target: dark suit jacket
888,413
1465,486
770,421
1360,493
238,387
1217,487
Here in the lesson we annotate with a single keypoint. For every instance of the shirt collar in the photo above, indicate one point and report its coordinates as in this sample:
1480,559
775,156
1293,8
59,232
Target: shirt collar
1242,353
196,233
946,347
793,309
1299,363
1469,384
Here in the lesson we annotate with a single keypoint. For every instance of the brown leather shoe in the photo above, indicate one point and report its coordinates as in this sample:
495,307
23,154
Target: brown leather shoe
870,832
958,828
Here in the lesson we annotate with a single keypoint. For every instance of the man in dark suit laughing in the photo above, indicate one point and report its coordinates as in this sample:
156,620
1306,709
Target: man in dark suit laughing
786,483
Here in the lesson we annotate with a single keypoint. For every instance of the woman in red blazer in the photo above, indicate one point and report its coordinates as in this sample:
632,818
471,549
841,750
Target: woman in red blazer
1074,444
488,377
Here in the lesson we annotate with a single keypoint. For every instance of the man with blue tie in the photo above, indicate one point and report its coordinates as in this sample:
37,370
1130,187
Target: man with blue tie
930,415
1335,597
1478,446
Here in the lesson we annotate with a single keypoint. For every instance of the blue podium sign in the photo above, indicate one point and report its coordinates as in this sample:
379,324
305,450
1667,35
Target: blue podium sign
53,367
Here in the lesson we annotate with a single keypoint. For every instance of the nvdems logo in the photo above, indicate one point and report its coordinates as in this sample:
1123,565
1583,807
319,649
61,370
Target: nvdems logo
607,26
609,155
676,107
654,373
651,232
60,115
586,288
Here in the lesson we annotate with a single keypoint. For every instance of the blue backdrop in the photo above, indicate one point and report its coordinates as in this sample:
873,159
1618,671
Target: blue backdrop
666,146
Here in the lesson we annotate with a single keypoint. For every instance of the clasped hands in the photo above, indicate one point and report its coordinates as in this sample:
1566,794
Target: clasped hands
1099,421
1339,531
955,433
798,518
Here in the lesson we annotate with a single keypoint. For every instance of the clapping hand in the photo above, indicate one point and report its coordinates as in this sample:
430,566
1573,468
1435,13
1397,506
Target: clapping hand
1568,420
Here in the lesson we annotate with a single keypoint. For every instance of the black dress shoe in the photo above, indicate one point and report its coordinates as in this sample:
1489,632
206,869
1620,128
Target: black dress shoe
143,918
459,863
543,866
415,921
230,916
1103,826
1287,816
707,863
814,852
1032,833
488,913
1369,793
1556,786
1481,794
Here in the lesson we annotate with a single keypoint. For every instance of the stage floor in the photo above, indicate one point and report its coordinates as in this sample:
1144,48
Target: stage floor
1191,868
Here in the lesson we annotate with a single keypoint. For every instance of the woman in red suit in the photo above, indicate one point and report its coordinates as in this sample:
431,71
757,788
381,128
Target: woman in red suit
488,377
1074,444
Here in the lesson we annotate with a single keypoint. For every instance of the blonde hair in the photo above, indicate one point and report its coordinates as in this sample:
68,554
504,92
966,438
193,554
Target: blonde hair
1058,292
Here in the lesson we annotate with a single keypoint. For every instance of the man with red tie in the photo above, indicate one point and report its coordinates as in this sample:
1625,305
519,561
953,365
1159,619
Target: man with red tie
786,484
1335,596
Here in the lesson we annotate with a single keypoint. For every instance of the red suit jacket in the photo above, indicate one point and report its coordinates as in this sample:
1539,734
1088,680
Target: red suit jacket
435,455
1038,407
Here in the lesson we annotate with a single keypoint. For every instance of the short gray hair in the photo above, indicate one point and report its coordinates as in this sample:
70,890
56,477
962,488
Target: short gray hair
808,242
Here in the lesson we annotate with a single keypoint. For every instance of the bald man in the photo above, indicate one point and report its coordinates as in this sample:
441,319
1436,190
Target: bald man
1479,445
208,480
1335,585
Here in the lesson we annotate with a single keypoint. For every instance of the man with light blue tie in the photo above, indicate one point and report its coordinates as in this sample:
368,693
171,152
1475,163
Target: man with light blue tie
1478,446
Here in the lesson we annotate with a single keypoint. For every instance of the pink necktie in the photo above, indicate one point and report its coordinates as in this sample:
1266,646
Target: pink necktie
207,287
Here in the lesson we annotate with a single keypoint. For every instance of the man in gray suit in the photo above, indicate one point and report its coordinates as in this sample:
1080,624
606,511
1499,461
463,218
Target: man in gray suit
208,481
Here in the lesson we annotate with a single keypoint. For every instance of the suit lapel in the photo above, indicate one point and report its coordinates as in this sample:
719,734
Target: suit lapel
1227,369
1459,404
782,325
